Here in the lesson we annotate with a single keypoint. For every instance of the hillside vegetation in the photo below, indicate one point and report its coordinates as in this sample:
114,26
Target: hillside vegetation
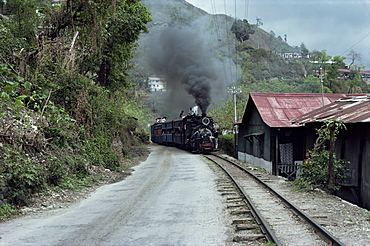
66,103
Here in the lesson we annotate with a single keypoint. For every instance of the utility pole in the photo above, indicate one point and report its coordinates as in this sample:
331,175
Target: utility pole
322,87
235,90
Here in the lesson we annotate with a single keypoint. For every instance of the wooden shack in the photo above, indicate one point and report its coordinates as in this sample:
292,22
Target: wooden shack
267,138
352,144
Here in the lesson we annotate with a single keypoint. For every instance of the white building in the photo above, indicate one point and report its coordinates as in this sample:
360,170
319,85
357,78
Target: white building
156,84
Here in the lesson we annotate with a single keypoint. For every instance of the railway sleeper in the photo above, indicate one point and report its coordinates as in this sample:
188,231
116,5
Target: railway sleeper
236,205
228,187
242,221
232,199
241,211
249,238
246,227
226,190
228,194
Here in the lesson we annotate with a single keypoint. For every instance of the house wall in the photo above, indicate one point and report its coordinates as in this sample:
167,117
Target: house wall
255,161
255,148
353,145
263,149
258,143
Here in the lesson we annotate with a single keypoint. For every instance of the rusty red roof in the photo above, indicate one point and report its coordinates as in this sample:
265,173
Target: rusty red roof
348,110
347,71
278,109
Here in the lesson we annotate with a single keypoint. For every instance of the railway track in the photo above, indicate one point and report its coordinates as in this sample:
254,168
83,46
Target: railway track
275,219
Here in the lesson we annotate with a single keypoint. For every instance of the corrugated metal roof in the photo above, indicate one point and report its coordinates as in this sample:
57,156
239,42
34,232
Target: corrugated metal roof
347,71
278,109
348,110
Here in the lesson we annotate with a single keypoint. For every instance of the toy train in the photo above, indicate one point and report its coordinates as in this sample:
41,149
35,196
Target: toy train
192,132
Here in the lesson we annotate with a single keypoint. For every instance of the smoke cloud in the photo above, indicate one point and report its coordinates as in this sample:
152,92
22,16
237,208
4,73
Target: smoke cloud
183,59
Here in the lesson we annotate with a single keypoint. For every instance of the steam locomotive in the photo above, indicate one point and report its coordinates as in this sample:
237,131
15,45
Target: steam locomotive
193,132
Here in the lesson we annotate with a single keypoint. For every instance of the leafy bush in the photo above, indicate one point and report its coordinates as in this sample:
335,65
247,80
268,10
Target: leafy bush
7,211
100,153
315,171
22,176
227,143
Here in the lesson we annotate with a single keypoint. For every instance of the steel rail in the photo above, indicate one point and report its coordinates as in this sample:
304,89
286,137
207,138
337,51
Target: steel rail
323,233
266,229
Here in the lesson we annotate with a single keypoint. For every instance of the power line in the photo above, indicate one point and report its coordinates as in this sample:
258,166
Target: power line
356,43
246,9
218,32
213,5
236,52
228,39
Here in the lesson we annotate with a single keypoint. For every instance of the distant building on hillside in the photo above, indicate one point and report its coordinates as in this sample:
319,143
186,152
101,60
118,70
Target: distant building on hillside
156,84
346,72
291,55
57,1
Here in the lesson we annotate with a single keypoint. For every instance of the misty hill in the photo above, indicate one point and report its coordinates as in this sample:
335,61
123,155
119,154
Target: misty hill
215,28
205,40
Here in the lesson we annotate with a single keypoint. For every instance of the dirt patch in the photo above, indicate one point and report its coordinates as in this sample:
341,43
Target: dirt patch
56,198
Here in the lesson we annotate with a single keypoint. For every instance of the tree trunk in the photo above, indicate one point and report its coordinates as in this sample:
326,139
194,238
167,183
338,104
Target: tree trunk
103,74
331,182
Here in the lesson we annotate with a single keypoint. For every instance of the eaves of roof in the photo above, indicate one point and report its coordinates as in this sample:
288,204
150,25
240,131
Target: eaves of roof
348,110
278,109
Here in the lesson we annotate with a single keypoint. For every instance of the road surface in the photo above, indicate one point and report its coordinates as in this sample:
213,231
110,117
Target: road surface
170,199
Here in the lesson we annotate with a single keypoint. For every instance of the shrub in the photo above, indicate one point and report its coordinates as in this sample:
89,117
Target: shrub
22,176
315,171
227,143
7,211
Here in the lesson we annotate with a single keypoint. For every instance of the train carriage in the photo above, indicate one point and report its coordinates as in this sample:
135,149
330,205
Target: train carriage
167,133
195,133
156,133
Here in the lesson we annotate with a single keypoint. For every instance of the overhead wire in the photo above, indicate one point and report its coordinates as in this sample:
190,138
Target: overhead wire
213,6
236,50
217,26
355,43
227,29
246,10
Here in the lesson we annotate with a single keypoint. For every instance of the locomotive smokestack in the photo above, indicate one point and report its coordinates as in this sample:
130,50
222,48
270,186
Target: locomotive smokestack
181,57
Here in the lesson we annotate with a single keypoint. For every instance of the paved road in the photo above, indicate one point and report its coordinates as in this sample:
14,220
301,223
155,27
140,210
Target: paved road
171,199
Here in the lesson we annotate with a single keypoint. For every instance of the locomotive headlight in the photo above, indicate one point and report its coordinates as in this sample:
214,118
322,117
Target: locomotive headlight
206,121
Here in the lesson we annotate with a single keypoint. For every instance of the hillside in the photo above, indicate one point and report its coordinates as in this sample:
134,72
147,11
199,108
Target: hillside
67,106
205,39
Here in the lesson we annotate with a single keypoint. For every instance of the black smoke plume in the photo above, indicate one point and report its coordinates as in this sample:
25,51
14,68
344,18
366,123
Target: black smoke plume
182,58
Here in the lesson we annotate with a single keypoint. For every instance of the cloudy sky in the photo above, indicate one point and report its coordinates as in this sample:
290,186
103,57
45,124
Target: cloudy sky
336,26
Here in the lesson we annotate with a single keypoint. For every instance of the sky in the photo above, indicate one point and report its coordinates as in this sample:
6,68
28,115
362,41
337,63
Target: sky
336,26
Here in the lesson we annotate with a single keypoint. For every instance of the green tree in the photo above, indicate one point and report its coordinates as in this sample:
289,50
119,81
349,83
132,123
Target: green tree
311,84
304,49
223,112
329,132
320,58
332,73
122,30
242,30
25,18
353,81
322,169
107,32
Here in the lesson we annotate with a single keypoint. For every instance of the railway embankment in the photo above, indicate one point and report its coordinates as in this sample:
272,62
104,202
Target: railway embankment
346,221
